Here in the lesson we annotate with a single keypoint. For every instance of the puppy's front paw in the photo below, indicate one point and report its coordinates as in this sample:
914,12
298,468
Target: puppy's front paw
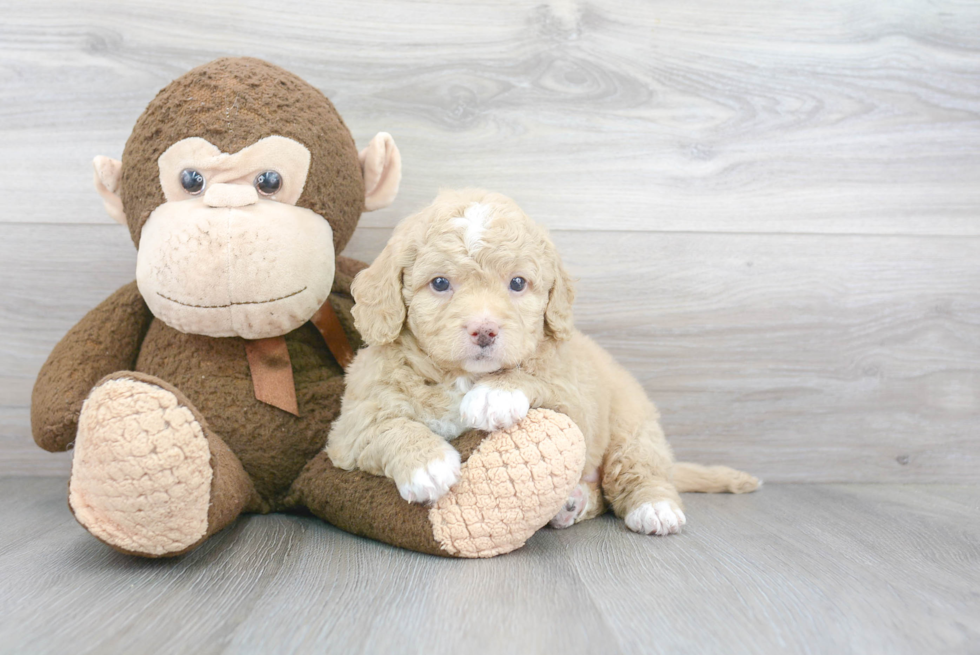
431,482
492,409
656,518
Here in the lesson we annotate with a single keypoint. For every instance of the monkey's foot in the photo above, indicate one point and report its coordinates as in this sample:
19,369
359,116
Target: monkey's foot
141,474
511,486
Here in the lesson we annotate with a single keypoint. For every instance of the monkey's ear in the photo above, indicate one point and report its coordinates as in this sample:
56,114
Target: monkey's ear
381,166
108,172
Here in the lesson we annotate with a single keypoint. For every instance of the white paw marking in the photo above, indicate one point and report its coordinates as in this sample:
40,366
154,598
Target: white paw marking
575,506
492,409
659,518
432,481
448,428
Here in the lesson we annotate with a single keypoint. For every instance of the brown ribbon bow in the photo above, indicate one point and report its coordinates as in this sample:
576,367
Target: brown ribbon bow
272,371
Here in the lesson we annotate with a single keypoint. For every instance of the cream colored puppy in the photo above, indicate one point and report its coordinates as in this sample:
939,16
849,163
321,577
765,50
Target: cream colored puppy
468,316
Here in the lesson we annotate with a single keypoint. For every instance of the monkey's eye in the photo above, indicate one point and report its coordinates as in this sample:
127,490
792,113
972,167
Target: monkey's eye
192,181
518,284
439,284
268,183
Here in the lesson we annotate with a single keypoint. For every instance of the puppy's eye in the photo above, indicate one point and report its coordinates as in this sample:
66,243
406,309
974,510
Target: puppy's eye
518,284
439,284
192,181
268,183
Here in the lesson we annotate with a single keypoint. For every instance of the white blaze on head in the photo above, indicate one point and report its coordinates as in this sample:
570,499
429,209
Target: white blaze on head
474,221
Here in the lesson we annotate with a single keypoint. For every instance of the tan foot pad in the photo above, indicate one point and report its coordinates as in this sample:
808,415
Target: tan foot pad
141,473
514,483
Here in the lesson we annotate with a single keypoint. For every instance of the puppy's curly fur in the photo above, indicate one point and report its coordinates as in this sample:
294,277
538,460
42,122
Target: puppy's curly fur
468,317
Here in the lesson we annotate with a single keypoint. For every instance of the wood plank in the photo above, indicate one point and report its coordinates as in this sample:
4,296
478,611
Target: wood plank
810,117
816,568
19,455
793,568
799,358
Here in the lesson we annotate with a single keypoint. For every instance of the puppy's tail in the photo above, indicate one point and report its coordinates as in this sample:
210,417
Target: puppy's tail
713,479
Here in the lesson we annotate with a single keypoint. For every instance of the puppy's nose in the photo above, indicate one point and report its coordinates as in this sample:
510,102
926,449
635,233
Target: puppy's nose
483,334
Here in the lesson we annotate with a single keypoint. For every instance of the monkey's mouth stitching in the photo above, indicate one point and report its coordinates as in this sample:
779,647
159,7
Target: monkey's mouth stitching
233,304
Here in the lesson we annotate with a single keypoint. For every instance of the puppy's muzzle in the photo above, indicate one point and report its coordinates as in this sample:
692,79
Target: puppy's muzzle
483,334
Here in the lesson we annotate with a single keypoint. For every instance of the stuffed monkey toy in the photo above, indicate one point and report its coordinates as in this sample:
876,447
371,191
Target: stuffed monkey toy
207,387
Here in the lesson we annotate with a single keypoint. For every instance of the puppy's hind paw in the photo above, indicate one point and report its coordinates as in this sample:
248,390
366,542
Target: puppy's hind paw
490,409
574,507
431,482
660,518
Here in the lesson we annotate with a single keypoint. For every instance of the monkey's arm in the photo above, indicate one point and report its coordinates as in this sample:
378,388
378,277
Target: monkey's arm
106,340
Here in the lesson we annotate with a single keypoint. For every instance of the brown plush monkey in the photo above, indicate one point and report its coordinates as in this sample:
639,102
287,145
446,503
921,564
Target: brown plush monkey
207,387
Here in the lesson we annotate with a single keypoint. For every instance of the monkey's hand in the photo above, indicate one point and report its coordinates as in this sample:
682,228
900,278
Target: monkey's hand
106,340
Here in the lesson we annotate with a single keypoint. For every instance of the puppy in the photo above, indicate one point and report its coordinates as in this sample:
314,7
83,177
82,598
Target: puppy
468,316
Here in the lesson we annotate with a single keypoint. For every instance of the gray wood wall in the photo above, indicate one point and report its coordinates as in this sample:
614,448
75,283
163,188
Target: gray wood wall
773,208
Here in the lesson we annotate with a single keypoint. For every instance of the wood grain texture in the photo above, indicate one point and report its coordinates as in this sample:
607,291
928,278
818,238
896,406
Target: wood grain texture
772,208
816,116
791,569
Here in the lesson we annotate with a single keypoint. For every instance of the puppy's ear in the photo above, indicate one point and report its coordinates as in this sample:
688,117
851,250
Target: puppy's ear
558,314
379,309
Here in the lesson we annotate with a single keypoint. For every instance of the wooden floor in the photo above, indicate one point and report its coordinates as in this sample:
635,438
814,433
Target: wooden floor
792,569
